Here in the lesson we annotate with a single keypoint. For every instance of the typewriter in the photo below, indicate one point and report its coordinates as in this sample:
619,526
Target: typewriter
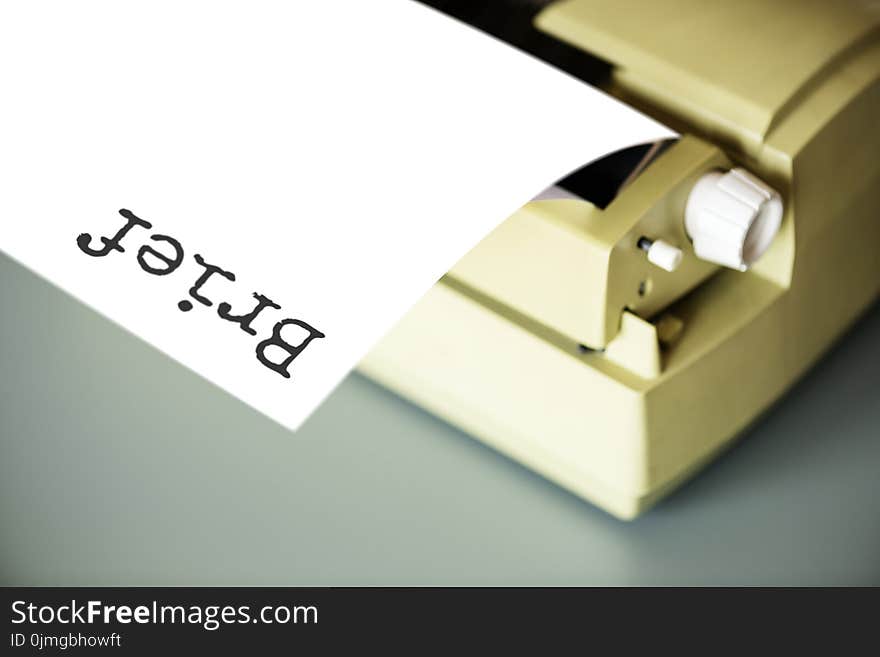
624,327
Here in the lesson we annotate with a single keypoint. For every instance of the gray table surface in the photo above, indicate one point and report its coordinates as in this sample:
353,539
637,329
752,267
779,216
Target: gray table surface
119,466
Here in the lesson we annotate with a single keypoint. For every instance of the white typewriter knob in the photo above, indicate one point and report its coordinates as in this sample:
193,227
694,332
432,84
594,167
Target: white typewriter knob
661,253
732,218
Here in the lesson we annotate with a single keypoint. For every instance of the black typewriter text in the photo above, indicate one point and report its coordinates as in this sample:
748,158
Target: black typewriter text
167,254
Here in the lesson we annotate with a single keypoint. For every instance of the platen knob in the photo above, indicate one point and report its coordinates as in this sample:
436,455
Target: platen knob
732,218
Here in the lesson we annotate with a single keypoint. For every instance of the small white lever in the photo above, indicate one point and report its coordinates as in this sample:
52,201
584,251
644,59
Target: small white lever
661,253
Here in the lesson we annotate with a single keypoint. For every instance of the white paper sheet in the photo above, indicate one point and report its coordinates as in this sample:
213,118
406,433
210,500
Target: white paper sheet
335,157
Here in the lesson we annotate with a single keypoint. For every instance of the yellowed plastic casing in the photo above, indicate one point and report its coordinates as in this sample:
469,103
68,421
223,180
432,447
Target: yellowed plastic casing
557,343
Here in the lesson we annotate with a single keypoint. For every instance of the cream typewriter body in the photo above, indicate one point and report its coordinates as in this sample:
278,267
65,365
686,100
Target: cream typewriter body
617,349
